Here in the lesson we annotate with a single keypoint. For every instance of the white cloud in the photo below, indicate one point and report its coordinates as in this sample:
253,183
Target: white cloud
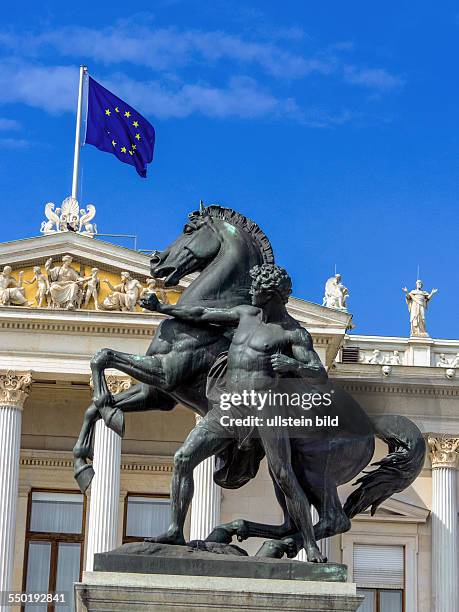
168,48
220,58
14,143
242,97
52,88
374,78
7,125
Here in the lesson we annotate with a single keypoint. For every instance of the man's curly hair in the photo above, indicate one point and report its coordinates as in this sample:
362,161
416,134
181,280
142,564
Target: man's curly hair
270,276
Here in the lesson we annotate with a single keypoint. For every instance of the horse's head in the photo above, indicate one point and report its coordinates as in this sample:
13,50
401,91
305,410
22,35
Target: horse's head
190,252
222,244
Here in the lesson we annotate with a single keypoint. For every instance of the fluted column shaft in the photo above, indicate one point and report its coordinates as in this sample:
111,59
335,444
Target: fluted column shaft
103,521
444,457
14,389
205,507
324,544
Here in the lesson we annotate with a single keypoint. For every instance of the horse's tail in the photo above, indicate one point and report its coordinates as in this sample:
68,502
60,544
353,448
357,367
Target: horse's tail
407,450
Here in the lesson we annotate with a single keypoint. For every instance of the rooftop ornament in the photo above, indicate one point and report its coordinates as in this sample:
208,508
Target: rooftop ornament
69,218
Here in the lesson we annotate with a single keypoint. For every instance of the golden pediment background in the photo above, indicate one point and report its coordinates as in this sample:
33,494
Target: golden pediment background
122,275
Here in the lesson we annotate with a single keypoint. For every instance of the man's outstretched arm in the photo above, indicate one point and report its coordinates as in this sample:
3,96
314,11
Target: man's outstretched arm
305,360
194,314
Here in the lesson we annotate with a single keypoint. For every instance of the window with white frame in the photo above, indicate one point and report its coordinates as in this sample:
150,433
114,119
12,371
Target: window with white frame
379,575
145,516
54,545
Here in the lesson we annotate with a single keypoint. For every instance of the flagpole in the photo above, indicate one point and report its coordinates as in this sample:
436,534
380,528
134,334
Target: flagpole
76,154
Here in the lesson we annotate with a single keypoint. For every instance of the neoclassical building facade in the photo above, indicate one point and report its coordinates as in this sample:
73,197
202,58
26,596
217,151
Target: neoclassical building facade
80,294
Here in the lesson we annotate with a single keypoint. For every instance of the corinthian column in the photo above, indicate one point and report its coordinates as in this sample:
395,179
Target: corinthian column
324,544
14,390
444,458
205,507
105,488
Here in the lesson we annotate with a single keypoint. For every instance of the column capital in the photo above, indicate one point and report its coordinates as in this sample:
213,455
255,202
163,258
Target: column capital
14,388
444,451
116,383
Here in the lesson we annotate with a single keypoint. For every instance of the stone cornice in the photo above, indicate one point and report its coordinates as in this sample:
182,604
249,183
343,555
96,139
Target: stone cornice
78,322
444,451
14,388
440,390
52,460
395,341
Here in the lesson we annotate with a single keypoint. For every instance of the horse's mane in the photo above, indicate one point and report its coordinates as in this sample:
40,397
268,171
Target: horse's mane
244,223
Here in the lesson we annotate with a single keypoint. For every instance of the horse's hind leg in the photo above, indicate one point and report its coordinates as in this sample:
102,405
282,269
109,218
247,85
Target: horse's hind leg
332,521
244,529
332,518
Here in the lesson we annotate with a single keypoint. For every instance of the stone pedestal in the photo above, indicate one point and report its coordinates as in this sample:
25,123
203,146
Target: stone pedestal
170,593
444,456
14,389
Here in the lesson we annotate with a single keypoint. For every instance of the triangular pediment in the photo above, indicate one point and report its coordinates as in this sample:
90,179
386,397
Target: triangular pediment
327,325
90,251
87,253
396,509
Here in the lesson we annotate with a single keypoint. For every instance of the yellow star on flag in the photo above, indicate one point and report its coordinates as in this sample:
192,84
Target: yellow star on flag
137,136
131,152
113,143
108,111
127,114
135,123
134,146
117,110
123,149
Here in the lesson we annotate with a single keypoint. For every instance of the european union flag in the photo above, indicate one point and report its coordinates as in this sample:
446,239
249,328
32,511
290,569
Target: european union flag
115,127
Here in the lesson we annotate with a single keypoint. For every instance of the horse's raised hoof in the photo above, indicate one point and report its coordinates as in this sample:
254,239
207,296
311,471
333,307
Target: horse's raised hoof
113,419
272,549
221,535
84,476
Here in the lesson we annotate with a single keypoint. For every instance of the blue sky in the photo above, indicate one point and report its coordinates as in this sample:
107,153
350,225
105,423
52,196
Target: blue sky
335,127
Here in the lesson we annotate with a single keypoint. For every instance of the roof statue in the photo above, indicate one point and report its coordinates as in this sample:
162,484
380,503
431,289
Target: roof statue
69,218
418,301
336,294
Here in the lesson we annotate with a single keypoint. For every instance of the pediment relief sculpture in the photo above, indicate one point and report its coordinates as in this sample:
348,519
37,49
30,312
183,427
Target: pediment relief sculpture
12,292
71,286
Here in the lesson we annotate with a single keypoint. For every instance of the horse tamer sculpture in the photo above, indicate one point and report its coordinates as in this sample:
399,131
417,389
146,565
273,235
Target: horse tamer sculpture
230,333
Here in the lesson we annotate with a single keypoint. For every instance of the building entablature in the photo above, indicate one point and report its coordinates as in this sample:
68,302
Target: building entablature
398,351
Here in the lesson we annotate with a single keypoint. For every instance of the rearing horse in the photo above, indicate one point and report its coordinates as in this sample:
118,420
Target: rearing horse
223,245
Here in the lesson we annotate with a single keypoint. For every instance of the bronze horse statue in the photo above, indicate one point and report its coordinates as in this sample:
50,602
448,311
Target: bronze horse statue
224,246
